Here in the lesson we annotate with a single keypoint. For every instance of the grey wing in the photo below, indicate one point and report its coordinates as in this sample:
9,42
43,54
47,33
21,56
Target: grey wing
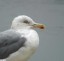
10,42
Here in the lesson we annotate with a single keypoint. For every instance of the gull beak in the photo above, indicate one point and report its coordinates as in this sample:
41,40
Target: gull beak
38,25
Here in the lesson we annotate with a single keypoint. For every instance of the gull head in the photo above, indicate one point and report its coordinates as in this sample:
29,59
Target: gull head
25,22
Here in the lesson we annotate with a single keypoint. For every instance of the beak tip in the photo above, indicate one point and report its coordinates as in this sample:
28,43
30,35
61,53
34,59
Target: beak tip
42,27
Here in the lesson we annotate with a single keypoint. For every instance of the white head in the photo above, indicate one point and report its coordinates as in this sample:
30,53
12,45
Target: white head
26,22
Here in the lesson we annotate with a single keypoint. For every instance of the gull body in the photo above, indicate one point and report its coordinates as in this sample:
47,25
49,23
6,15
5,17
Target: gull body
24,53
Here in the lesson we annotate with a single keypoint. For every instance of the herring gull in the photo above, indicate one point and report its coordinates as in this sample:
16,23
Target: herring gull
20,41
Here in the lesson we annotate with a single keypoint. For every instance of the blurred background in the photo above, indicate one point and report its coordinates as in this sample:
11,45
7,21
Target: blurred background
48,12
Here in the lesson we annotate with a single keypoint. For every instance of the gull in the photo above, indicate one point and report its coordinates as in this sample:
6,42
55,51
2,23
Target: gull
21,41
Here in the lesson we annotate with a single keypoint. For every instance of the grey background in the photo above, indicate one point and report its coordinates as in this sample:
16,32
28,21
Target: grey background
48,12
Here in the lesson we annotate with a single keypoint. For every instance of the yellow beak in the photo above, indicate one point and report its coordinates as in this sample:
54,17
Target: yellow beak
40,26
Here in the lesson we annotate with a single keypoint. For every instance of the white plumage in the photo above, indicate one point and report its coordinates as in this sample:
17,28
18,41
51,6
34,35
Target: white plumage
24,53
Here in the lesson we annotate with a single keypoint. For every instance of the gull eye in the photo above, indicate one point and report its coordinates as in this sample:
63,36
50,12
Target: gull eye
25,21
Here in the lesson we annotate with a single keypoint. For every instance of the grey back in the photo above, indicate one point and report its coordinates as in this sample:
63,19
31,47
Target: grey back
10,42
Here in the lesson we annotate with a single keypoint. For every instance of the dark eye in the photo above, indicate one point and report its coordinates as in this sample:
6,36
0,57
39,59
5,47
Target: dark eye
25,21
